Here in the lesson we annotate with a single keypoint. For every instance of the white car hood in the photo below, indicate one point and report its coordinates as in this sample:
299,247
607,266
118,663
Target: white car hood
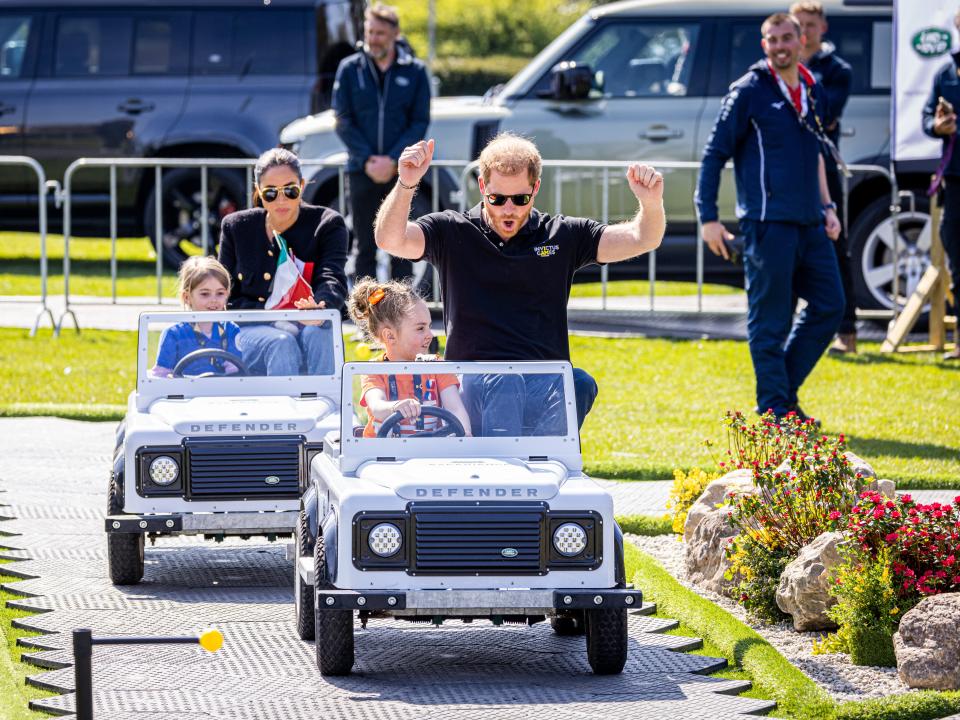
467,479
260,415
468,107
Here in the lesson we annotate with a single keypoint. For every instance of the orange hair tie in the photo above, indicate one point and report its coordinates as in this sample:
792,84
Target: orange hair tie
376,296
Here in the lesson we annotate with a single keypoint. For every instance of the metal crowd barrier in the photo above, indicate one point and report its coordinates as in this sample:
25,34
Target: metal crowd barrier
464,188
605,166
204,165
23,161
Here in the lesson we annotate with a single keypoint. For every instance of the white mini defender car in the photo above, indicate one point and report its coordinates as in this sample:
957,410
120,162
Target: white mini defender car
211,445
431,525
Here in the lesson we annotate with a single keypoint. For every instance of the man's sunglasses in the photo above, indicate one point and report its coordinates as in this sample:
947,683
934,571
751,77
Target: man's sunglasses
496,199
270,193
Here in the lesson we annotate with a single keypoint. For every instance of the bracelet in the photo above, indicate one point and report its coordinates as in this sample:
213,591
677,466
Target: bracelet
830,206
402,184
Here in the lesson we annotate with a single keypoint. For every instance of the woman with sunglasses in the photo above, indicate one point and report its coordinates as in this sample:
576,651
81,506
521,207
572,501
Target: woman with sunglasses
249,250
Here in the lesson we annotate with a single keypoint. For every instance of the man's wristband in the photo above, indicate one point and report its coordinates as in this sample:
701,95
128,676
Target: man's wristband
830,206
402,184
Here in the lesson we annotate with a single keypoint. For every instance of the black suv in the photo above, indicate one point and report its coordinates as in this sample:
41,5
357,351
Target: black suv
175,78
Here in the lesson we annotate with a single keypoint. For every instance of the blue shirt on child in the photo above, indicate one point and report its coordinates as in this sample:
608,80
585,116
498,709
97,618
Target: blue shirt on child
178,341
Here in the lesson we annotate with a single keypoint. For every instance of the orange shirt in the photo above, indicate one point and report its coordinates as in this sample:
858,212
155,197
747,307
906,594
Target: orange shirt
431,385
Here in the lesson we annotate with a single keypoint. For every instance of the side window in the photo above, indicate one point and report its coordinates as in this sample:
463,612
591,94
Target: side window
92,46
14,32
745,49
637,59
881,62
250,42
852,40
160,45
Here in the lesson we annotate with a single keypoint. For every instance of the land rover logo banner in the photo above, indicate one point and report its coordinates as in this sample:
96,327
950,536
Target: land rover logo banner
922,44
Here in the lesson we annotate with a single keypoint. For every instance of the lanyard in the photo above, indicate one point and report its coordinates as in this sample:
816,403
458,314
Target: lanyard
808,105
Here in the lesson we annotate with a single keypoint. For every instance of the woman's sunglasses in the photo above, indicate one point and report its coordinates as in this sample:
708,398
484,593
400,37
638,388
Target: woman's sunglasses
270,193
496,199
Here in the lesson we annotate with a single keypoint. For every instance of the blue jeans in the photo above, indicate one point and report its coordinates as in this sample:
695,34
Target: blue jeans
268,350
517,405
782,260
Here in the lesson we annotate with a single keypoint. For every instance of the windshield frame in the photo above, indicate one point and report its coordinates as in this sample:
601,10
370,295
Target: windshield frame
150,388
356,451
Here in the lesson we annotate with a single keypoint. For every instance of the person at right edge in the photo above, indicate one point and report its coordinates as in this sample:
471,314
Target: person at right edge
835,76
940,122
769,125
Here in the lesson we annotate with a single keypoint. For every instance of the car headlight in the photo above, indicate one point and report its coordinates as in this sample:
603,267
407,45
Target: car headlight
570,539
385,539
164,470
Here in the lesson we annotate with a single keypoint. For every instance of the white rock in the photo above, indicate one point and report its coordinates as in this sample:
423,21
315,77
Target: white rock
803,592
927,644
714,494
706,560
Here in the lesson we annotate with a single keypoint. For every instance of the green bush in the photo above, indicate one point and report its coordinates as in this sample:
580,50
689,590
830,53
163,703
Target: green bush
474,76
479,28
866,609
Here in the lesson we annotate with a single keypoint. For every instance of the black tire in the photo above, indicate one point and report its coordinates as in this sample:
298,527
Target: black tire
303,596
334,628
606,640
182,211
569,623
124,550
867,252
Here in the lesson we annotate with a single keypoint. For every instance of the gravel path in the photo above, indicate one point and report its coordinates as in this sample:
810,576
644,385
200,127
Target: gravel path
833,672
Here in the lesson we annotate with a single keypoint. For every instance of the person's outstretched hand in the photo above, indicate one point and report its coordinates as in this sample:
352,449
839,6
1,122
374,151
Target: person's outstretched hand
310,304
415,161
645,183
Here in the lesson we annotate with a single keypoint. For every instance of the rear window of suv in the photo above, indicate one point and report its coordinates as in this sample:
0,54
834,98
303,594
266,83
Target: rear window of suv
250,42
14,32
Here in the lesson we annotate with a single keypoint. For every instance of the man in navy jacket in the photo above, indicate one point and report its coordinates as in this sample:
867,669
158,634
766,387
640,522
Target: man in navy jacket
769,125
940,122
381,100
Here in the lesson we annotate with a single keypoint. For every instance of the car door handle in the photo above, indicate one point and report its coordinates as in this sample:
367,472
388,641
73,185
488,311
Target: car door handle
4,109
661,133
135,106
847,131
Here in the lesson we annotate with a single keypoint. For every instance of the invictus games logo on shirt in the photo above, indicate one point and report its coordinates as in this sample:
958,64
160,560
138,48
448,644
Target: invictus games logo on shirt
546,250
932,42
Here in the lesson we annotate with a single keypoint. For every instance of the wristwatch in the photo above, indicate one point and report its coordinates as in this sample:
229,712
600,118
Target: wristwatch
830,206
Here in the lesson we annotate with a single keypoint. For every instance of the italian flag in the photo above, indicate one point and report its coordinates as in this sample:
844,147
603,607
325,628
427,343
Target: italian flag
291,282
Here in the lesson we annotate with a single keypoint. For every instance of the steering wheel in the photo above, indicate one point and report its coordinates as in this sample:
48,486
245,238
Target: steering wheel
450,426
203,354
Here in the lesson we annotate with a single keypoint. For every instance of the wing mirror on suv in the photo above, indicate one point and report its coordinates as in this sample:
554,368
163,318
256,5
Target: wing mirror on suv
570,80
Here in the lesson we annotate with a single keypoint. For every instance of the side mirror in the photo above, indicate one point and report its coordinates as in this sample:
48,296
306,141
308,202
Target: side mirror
570,81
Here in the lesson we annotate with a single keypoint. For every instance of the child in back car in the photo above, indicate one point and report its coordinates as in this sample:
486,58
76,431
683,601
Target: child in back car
204,284
394,315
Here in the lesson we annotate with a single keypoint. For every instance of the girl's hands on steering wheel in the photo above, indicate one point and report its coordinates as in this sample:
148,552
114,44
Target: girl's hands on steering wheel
408,407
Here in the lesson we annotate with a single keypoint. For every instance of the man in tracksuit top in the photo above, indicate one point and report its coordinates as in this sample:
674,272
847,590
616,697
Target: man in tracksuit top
835,77
768,124
940,122
381,100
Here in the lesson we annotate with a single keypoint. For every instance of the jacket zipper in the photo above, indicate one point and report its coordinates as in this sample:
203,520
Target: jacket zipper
381,99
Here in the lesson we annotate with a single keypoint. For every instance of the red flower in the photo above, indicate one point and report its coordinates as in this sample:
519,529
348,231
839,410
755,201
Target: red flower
892,537
834,514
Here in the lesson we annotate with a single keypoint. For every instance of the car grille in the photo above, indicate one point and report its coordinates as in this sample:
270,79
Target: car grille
471,539
248,468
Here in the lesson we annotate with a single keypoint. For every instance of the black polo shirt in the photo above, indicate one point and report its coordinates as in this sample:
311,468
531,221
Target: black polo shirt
507,300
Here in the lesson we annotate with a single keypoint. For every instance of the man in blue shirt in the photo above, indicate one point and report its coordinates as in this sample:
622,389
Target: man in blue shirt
381,99
769,124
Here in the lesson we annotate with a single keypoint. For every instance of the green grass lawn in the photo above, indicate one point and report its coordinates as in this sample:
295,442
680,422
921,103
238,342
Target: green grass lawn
89,266
659,399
